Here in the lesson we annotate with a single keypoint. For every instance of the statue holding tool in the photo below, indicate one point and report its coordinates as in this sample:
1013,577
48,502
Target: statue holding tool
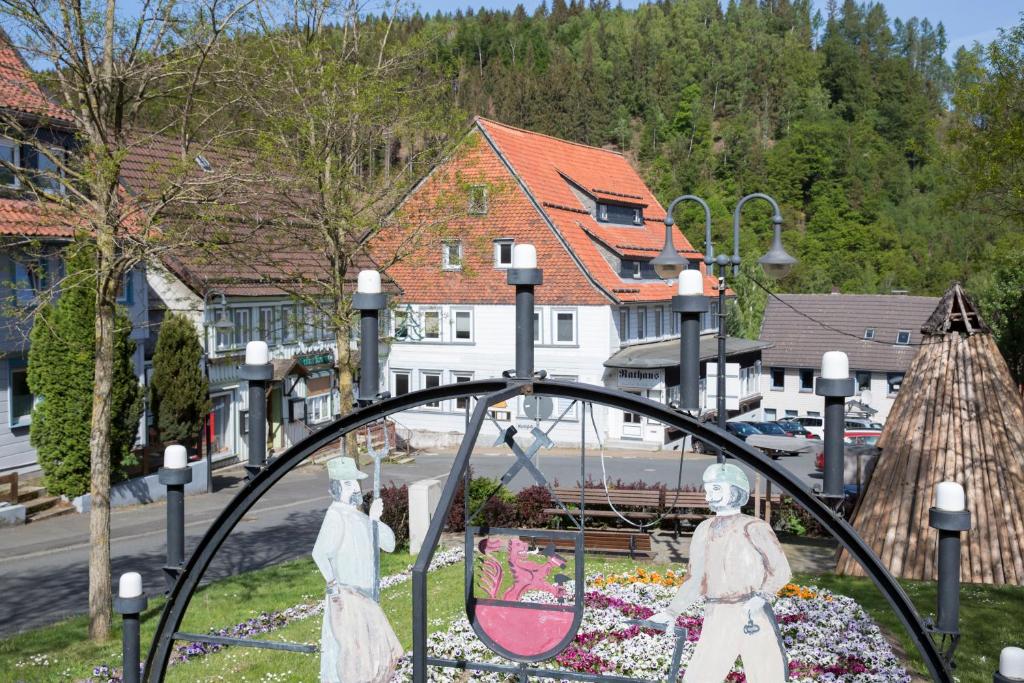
357,644
736,565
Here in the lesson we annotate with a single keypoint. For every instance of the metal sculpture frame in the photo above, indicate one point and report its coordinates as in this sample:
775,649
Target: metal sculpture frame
490,392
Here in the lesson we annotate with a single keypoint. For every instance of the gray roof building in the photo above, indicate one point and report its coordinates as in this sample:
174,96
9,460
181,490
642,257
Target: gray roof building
877,331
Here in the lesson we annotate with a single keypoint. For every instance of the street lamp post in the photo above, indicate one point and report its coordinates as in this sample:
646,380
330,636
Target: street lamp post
776,264
221,324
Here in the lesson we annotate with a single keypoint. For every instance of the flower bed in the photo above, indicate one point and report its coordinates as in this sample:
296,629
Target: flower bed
809,619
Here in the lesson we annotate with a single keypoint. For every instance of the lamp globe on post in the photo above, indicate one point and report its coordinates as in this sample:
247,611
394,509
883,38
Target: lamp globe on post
690,304
1011,666
668,264
369,300
777,263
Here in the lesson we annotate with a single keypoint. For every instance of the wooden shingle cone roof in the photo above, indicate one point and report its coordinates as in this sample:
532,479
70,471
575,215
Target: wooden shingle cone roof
958,417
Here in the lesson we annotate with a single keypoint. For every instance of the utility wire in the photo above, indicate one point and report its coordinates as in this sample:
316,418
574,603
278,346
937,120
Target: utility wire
844,333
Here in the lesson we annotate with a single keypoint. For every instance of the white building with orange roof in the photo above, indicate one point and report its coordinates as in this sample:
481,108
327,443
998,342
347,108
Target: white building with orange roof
603,315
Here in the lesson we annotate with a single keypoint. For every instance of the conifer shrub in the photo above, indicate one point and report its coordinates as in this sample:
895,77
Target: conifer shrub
179,394
61,364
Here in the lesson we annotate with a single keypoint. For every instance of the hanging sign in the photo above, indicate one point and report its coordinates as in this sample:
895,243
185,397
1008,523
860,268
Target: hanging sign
317,360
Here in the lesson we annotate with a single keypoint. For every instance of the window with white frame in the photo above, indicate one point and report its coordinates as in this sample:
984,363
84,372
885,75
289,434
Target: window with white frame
503,253
288,322
637,270
602,212
431,379
903,337
460,377
19,398
29,276
402,325
638,217
869,333
267,328
451,255
432,324
477,200
659,318
10,158
537,335
561,404
565,327
770,414
641,323
242,332
463,321
623,324
309,324
318,408
400,385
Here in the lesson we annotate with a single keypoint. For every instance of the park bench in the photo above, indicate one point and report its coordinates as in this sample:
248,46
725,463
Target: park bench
635,505
635,544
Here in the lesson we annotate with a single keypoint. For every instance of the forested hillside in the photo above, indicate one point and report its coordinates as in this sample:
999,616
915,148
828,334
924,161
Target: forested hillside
878,149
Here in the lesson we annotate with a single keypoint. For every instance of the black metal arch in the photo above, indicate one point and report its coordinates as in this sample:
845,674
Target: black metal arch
490,392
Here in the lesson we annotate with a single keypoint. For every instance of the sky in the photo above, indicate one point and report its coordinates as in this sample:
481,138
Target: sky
966,21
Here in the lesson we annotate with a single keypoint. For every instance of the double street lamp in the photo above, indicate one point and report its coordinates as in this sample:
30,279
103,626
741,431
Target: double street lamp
669,264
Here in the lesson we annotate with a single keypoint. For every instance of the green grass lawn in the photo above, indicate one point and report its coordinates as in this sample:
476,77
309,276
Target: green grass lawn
991,619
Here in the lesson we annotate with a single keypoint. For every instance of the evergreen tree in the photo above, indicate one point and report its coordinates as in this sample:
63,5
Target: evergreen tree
60,372
180,392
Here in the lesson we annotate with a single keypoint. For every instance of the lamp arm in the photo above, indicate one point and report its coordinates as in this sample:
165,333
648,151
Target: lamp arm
669,220
776,219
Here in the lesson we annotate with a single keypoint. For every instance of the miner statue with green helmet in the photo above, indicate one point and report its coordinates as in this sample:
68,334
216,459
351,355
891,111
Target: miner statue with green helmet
736,566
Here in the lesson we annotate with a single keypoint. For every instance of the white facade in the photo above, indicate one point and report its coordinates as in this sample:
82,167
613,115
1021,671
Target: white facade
795,396
292,333
448,343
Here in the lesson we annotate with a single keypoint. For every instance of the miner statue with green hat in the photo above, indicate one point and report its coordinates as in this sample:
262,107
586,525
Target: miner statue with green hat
736,566
357,644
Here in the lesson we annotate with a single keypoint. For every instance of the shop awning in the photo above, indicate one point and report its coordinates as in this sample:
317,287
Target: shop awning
665,354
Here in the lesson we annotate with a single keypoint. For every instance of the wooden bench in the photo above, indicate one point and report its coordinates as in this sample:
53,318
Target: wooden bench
634,505
635,544
11,480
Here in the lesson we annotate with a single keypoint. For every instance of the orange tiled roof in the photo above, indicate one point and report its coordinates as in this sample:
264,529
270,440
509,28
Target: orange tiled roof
571,244
18,91
29,218
544,163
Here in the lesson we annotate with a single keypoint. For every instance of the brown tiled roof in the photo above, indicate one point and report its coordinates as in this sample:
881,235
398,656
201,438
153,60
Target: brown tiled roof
836,322
19,92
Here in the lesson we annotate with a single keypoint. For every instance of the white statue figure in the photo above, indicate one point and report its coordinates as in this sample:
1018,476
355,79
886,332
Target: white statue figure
736,565
357,644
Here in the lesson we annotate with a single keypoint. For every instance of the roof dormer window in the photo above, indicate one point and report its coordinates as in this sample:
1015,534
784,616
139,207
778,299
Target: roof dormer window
602,212
619,214
638,217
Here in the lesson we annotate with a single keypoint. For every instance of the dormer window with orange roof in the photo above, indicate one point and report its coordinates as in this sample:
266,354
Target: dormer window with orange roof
618,214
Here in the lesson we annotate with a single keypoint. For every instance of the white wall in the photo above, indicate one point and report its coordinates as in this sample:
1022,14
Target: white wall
491,351
791,398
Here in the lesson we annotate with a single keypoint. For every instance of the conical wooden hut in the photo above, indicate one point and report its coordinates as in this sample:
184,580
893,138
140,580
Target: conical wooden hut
958,417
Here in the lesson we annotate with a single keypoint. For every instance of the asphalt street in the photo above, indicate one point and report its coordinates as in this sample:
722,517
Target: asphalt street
44,566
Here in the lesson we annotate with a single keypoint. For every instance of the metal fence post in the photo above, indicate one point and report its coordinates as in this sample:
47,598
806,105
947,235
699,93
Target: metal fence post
525,275
369,301
174,475
949,517
130,603
835,384
690,303
257,371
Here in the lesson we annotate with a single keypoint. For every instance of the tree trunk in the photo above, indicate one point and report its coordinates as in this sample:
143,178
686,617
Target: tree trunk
99,458
345,391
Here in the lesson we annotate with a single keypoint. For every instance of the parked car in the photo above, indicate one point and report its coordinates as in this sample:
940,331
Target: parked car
742,429
862,423
861,437
796,429
768,428
815,425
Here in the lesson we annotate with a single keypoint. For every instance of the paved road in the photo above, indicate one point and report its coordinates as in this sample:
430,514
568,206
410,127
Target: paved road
44,566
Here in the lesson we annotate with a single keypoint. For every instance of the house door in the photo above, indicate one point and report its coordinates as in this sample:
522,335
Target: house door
632,423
